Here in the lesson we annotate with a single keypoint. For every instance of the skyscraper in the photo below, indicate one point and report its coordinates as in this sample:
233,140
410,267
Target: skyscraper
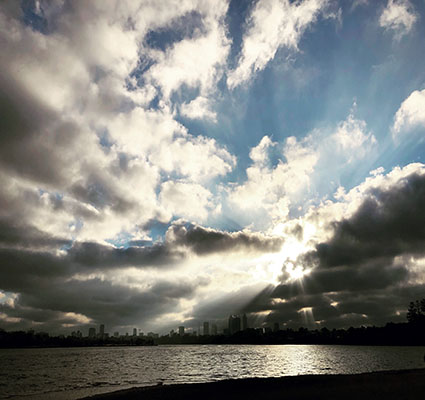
244,322
234,324
206,328
102,331
213,329
92,332
134,331
181,330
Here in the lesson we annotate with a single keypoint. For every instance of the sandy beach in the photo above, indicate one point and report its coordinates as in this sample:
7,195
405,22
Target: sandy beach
404,384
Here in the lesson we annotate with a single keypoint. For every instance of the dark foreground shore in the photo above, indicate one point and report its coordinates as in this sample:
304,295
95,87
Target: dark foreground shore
405,384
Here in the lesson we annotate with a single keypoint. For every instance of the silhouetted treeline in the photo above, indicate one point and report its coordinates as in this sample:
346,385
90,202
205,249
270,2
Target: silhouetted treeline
42,339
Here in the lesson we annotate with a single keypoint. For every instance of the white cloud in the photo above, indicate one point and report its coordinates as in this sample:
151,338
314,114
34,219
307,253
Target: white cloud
196,158
197,62
187,200
270,188
411,113
199,108
272,24
398,16
352,139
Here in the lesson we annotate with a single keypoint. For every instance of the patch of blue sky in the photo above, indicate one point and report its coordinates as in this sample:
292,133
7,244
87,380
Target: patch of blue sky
105,139
33,16
184,94
122,240
237,15
187,26
75,226
143,64
155,229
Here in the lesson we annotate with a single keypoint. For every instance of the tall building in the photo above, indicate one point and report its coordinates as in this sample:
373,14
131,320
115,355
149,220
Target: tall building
214,329
102,331
181,330
134,331
92,332
116,334
244,322
234,324
206,328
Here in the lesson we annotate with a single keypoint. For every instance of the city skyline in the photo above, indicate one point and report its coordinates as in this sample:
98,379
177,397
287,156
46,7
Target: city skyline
169,163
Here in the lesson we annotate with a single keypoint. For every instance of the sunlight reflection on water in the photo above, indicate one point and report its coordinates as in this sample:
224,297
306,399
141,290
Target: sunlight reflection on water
66,371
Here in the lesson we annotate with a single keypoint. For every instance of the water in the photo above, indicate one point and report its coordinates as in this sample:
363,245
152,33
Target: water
70,373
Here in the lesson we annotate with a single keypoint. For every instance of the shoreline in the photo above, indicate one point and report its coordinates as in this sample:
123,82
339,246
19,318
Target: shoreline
396,384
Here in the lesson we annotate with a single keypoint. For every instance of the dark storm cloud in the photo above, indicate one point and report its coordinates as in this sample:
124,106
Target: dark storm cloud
32,136
17,234
23,270
375,275
95,255
206,241
388,223
106,302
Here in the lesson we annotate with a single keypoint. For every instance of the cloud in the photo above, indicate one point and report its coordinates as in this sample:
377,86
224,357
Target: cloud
272,25
15,234
352,139
98,301
411,113
196,62
399,17
188,200
199,159
198,108
270,188
388,223
203,241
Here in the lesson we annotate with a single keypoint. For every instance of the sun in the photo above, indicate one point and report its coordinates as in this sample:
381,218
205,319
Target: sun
284,262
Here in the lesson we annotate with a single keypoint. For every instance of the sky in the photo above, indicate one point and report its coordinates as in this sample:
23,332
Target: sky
165,163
